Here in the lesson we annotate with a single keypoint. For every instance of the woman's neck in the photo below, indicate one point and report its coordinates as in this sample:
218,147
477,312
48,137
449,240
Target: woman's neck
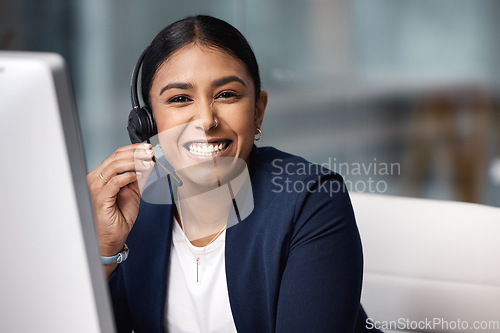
202,216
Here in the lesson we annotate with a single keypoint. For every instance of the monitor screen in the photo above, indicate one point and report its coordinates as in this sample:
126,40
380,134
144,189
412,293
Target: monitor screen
51,279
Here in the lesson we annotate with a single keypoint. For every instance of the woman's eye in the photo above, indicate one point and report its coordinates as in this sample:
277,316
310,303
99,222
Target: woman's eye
179,99
228,95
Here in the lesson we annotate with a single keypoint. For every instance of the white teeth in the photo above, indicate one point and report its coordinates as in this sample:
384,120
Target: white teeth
204,149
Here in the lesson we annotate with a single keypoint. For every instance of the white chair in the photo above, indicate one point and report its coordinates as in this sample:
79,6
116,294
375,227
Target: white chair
429,263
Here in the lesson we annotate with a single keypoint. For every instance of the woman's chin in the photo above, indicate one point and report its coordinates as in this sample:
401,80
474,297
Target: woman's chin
202,175
207,175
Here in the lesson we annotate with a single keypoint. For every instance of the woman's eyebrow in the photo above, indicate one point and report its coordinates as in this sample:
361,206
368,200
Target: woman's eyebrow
216,83
176,85
227,79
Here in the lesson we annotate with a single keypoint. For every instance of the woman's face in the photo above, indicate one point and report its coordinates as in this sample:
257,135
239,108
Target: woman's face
203,102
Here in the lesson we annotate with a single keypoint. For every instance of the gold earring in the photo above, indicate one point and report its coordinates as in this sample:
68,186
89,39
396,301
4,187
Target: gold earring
259,132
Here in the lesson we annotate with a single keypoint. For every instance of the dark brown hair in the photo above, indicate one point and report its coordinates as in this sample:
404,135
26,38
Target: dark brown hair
206,30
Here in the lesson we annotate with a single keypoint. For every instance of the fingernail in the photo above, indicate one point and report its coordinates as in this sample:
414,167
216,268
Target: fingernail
148,164
147,145
149,152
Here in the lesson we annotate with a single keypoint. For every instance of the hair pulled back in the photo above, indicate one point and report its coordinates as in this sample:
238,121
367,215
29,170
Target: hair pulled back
205,30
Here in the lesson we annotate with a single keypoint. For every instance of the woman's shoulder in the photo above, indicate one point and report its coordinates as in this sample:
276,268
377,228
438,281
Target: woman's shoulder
287,178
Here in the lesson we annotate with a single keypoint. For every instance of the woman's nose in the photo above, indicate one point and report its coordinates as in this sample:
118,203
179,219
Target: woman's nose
207,119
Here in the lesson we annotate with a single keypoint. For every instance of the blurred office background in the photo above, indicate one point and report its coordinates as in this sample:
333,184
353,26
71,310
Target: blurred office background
400,96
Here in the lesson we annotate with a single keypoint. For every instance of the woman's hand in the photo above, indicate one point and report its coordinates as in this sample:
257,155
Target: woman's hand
116,196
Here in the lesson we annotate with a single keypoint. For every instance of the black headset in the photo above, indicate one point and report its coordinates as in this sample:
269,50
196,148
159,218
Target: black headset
141,124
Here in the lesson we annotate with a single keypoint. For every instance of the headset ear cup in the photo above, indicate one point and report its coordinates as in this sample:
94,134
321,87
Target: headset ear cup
151,121
141,125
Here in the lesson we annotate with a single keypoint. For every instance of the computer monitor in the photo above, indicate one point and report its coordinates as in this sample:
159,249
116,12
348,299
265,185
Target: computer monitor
51,279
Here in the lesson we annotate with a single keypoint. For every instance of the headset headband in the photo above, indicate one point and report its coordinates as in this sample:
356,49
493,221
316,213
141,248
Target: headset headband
133,82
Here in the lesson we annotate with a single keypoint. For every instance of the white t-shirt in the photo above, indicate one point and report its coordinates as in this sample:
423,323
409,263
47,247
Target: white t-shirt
197,306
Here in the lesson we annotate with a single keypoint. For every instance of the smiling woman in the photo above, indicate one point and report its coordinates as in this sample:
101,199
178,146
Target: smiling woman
292,263
212,94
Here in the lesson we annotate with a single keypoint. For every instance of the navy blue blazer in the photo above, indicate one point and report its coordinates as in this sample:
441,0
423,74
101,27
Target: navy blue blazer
293,265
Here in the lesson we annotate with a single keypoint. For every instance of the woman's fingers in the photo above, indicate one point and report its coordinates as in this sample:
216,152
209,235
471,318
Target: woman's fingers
132,158
116,183
126,150
118,167
119,191
127,153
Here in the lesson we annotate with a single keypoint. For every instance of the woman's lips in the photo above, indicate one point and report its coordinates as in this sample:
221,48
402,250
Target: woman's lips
207,149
